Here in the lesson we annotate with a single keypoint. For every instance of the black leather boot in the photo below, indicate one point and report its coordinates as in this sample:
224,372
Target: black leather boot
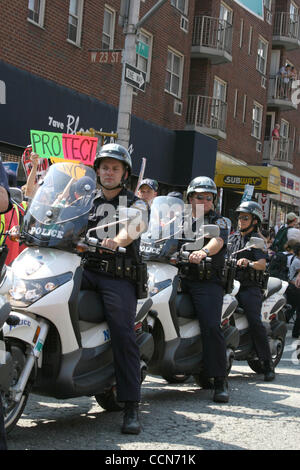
131,422
221,394
269,371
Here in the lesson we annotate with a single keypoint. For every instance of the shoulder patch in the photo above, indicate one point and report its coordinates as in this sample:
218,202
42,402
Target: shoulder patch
221,223
139,204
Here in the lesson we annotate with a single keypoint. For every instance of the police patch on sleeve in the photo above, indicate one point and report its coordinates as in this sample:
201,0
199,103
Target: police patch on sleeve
139,204
222,223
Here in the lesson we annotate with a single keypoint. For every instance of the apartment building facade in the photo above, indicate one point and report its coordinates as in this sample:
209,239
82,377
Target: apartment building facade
237,95
61,71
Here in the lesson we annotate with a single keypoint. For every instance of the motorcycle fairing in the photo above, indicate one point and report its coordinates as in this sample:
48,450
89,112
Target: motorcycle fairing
58,214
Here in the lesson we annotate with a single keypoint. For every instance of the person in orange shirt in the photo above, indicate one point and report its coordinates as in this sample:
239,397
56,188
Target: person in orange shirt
9,220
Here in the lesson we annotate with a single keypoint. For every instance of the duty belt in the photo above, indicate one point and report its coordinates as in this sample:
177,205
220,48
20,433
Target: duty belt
122,268
246,275
115,265
197,272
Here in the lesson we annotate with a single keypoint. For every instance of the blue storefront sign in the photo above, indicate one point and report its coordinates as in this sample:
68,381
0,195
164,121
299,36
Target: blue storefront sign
11,166
32,102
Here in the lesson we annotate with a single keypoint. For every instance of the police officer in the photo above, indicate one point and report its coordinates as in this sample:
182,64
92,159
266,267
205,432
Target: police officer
207,293
249,264
113,167
148,190
5,206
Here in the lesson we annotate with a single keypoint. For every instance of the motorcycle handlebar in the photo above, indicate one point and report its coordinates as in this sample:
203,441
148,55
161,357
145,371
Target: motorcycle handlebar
184,257
96,243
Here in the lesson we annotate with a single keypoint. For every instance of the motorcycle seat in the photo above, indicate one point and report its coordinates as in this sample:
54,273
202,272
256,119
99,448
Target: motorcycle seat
274,285
90,307
184,306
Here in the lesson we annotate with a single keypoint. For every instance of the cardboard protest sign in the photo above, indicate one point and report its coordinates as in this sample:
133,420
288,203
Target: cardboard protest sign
74,171
79,148
248,193
42,168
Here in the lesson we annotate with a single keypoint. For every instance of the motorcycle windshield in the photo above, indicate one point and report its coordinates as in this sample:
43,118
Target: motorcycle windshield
161,240
58,214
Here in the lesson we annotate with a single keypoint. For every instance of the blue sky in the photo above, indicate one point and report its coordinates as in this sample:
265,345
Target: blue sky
254,6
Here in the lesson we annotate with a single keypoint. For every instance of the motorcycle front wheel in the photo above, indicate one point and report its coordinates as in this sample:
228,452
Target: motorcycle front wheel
108,400
176,378
257,366
13,410
204,382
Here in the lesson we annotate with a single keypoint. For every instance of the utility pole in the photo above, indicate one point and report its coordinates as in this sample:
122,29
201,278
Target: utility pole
129,17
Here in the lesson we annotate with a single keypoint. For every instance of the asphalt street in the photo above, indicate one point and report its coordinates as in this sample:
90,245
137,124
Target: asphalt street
259,415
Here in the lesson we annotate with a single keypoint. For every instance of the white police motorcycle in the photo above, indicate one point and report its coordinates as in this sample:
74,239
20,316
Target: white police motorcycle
59,345
272,316
172,319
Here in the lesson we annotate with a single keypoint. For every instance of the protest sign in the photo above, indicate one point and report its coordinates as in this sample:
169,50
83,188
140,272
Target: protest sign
248,193
64,146
42,168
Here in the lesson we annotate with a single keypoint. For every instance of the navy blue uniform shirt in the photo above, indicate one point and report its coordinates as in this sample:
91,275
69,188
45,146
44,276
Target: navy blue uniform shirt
237,242
218,259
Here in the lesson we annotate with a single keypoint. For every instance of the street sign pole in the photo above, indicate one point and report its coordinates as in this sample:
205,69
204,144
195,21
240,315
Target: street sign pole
129,16
126,92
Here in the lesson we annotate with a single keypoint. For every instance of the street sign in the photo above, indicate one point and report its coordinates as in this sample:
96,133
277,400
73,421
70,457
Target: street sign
105,56
135,77
142,49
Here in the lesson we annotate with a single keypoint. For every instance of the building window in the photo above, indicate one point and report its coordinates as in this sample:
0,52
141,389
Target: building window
236,98
244,109
257,115
250,40
241,33
262,55
174,73
294,20
226,13
36,11
284,129
144,52
268,12
181,5
108,28
75,21
268,4
220,89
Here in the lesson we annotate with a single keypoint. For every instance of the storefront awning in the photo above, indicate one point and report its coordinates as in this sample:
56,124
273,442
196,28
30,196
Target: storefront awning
263,178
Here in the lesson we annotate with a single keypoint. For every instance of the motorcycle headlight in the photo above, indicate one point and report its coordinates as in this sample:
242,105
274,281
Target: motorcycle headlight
25,292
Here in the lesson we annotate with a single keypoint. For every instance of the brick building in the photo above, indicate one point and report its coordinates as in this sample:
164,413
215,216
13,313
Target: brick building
212,98
237,96
45,53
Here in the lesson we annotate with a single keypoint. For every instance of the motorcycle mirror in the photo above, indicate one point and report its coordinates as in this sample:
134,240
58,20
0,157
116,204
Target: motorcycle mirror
104,226
128,212
256,242
211,231
16,195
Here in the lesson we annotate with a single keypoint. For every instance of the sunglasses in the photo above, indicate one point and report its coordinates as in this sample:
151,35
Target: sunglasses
244,217
202,198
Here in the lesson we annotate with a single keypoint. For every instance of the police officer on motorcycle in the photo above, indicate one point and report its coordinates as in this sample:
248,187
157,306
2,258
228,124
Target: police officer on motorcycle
113,167
205,287
251,265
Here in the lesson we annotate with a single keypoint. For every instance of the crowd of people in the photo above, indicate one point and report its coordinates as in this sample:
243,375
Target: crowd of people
113,167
